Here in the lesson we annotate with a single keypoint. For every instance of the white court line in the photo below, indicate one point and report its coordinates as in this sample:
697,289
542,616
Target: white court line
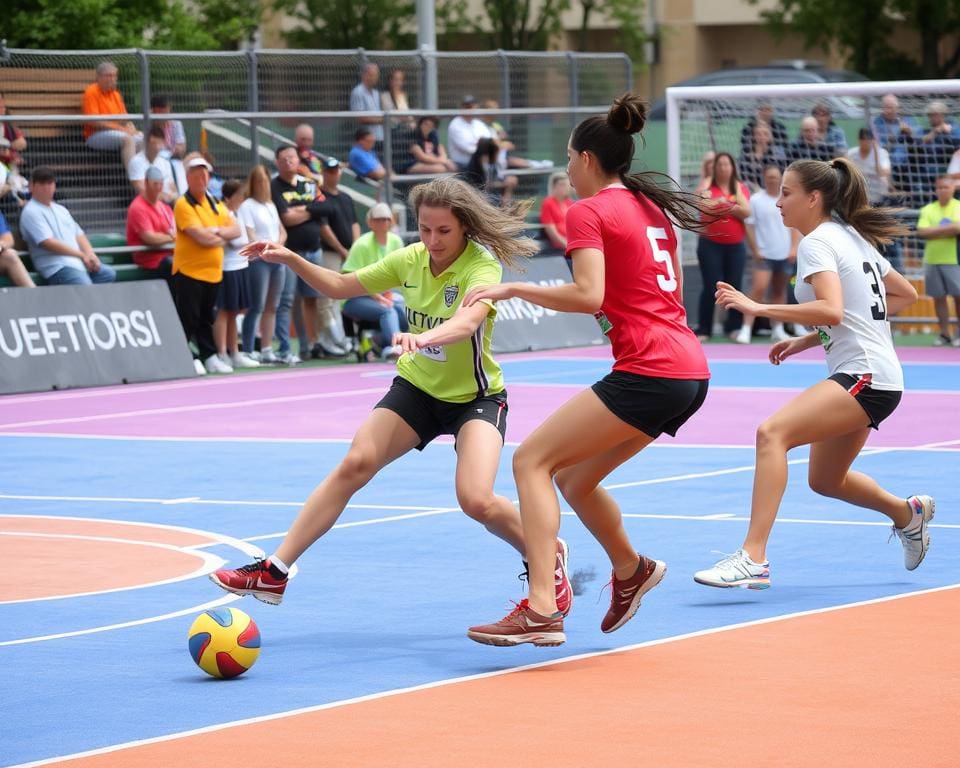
192,408
479,676
123,625
209,563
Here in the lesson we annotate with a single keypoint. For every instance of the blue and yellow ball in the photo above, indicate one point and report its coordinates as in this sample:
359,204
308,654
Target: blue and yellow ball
224,642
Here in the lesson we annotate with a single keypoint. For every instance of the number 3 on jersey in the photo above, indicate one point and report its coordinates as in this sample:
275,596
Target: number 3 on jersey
667,283
879,308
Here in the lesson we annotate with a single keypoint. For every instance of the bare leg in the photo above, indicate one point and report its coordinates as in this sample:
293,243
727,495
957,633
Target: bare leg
13,267
544,453
822,412
943,315
382,438
231,328
478,456
220,332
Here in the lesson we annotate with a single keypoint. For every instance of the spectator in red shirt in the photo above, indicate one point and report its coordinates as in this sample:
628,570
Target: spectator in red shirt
10,155
150,223
721,250
553,212
626,273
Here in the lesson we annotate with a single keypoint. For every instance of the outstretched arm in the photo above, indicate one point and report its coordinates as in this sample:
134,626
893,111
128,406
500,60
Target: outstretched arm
335,285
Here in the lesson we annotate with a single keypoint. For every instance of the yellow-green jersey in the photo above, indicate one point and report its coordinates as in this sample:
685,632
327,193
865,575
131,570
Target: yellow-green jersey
459,372
940,250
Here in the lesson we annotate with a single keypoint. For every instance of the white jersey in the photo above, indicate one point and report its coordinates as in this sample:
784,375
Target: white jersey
862,342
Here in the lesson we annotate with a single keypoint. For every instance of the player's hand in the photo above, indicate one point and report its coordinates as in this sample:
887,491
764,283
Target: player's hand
491,292
784,349
273,253
407,342
383,299
729,297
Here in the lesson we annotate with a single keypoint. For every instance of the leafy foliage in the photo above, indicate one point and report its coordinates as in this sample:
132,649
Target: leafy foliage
372,24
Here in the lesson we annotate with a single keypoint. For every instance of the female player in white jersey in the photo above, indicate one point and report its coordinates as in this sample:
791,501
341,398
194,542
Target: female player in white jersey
452,385
846,292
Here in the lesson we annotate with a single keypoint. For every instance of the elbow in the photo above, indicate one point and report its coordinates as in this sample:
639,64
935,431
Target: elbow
592,303
833,316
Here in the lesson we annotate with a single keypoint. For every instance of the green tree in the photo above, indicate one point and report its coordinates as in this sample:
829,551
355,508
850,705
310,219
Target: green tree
513,25
372,24
627,17
157,24
862,29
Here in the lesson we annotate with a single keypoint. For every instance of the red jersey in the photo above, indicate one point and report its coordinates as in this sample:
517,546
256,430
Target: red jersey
726,229
143,217
642,311
554,212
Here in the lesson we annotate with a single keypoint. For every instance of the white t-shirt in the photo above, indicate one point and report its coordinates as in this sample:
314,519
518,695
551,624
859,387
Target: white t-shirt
877,185
862,342
462,138
232,260
137,171
262,218
773,239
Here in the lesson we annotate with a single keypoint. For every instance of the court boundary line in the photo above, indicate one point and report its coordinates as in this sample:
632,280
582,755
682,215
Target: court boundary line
479,676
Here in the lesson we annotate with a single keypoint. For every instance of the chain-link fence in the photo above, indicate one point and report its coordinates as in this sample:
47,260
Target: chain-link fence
238,106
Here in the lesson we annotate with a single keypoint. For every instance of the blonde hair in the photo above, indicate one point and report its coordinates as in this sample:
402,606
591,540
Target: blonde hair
498,229
258,184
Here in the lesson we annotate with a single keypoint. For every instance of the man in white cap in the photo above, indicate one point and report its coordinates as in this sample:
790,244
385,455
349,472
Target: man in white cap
204,225
463,133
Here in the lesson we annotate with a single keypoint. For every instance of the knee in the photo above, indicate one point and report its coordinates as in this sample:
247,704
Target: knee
825,485
769,435
477,505
572,487
524,461
357,467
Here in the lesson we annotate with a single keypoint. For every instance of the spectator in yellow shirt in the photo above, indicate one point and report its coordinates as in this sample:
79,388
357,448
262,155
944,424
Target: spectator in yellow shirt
103,98
204,225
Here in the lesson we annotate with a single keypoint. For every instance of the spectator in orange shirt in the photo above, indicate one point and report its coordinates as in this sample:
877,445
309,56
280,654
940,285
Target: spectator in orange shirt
553,213
103,98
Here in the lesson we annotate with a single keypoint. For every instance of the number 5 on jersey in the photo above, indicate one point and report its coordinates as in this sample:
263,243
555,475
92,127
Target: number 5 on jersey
668,282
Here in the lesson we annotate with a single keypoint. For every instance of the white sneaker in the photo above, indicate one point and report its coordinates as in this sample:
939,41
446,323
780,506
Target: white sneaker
198,367
779,333
241,360
268,356
743,335
390,353
288,359
736,570
916,539
955,342
214,364
800,330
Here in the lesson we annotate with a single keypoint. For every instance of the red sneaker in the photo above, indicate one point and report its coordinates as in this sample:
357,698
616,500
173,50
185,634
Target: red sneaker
521,625
253,579
561,580
627,594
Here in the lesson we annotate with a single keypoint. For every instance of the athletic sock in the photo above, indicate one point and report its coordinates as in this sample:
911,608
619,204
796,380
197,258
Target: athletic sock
278,569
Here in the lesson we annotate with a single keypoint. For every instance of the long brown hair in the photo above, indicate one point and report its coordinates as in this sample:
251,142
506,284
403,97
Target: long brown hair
258,184
610,139
499,229
843,191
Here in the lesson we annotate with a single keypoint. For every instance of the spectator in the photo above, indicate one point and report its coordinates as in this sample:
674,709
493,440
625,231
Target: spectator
764,114
828,131
721,253
10,154
939,225
259,216
298,201
387,308
150,223
395,99
233,295
774,251
893,131
204,226
58,247
763,152
874,163
339,230
362,159
507,158
174,136
366,98
151,156
930,151
10,263
808,145
13,187
427,154
486,174
310,161
464,132
553,212
103,98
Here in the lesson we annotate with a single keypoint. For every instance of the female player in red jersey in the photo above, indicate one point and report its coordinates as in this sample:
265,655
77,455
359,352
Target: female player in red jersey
626,273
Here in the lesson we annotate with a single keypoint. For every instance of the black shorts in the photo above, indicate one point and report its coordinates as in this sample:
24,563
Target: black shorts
430,417
878,403
652,405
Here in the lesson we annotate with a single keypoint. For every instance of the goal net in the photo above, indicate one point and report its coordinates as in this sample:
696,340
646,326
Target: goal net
915,124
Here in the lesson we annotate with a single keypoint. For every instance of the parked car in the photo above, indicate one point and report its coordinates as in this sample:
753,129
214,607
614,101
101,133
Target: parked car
775,73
